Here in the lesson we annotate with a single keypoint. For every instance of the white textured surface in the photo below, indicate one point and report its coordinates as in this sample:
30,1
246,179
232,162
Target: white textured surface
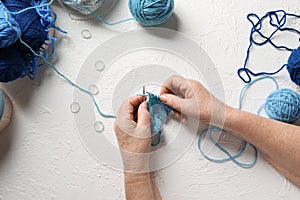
41,156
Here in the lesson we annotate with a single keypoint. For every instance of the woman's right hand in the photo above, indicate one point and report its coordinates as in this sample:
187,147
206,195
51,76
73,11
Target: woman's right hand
190,98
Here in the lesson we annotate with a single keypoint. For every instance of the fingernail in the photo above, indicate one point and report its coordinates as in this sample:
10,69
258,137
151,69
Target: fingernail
163,98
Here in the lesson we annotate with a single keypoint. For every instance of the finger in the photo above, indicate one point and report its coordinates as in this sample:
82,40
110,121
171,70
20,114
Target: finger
133,105
172,101
176,84
135,102
143,115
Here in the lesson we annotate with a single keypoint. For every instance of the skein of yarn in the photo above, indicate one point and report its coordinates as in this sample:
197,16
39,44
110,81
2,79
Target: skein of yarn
293,66
283,105
35,19
277,20
9,28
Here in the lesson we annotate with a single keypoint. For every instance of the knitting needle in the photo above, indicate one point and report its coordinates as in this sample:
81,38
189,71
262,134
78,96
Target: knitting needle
144,93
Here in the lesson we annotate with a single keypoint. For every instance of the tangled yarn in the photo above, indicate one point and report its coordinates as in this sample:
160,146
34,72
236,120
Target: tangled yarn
9,28
293,66
151,12
35,19
277,20
283,105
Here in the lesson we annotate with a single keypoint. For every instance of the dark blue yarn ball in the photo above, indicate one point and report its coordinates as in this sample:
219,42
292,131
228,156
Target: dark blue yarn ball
293,66
17,61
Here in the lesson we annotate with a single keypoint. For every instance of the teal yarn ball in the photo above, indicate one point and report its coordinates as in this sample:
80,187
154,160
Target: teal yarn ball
283,105
151,12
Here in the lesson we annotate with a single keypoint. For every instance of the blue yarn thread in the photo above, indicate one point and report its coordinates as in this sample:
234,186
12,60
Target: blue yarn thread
8,35
45,59
16,60
233,158
146,12
281,104
279,24
212,129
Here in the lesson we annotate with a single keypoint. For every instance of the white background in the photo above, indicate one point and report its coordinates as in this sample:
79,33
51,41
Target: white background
41,156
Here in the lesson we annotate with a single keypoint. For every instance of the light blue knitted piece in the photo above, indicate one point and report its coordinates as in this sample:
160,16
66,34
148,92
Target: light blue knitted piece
158,115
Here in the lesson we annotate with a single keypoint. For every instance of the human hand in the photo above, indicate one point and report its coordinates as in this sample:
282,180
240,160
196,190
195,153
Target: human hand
133,132
190,98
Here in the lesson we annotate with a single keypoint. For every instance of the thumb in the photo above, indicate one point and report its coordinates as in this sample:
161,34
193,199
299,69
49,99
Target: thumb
172,101
143,115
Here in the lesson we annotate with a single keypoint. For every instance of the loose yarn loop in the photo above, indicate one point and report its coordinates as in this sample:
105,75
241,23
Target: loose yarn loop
35,20
9,28
213,130
277,20
283,105
151,12
210,131
293,66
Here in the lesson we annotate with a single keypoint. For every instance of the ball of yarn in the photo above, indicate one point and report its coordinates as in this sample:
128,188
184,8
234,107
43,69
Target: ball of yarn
283,105
9,30
293,66
151,12
17,60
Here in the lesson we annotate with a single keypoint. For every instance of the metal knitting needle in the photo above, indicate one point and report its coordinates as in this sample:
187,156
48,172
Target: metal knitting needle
144,93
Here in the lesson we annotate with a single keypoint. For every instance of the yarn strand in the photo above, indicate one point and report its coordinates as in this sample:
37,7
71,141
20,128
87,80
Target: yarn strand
213,129
55,69
276,19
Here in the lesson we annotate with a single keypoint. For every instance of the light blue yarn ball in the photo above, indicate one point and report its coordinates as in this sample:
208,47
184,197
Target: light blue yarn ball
151,12
283,105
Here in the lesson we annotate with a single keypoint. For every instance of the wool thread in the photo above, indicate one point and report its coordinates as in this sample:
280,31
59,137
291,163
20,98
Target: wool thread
35,19
146,12
45,59
281,104
277,20
8,35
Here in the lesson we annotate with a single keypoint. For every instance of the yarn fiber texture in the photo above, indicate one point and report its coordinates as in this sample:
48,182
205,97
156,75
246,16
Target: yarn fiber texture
283,105
158,113
9,30
17,60
151,12
293,66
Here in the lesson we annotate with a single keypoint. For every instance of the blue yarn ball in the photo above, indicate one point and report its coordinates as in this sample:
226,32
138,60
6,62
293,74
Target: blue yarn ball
17,61
293,66
9,31
283,105
151,12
